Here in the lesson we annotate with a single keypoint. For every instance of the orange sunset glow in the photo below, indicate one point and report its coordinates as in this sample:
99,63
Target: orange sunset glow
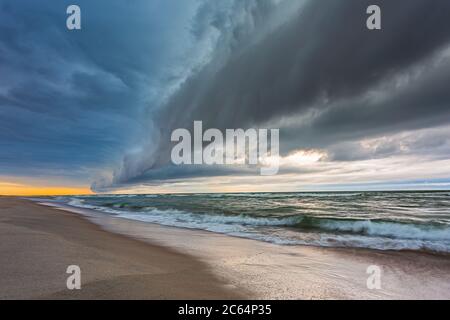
20,189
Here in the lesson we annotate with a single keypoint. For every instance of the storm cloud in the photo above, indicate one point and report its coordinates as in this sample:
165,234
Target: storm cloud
71,102
99,104
316,73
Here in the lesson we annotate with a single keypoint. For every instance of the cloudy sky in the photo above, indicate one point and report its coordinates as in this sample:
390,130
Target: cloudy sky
94,108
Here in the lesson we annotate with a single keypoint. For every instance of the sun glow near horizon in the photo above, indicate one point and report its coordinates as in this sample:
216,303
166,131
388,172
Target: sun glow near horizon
21,189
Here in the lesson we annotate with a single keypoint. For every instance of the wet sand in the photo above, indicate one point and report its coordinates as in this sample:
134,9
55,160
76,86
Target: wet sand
166,262
38,243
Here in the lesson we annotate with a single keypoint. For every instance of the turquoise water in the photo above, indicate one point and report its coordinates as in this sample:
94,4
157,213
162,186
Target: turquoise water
377,220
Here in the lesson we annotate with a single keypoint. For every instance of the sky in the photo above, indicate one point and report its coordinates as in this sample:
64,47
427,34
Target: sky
92,110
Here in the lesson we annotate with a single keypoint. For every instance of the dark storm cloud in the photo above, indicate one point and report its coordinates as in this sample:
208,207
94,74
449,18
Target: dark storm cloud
325,52
322,58
73,99
178,173
423,102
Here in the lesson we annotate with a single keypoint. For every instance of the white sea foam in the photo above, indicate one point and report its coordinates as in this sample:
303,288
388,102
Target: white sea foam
388,229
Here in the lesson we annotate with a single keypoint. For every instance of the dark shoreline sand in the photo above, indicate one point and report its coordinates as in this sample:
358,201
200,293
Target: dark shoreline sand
37,243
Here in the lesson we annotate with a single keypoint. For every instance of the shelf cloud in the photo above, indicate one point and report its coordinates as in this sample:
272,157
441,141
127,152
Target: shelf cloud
313,70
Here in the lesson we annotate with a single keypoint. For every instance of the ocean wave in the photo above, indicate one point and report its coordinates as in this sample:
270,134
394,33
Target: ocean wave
298,229
80,203
75,202
385,229
152,214
379,228
376,243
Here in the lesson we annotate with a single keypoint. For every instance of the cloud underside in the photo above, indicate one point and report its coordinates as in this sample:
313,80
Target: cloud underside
328,83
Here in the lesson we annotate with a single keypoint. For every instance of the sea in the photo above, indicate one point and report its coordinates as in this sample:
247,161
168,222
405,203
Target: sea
375,220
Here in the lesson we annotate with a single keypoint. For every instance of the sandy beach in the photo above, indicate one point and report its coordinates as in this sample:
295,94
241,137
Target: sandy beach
37,243
128,259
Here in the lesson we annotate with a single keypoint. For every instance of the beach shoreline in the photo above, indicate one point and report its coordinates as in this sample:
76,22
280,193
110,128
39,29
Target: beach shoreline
241,268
